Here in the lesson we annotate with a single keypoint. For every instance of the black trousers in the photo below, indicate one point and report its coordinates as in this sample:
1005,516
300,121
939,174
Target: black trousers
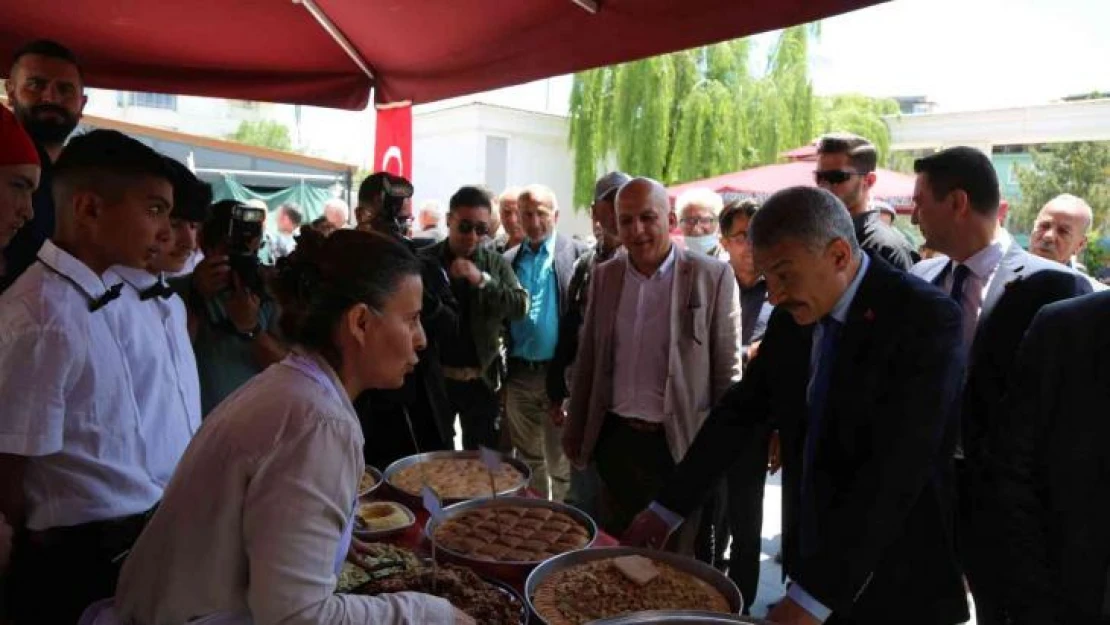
744,485
57,573
478,408
974,546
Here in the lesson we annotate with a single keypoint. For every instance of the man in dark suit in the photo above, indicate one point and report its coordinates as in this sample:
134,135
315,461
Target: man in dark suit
860,371
1050,450
544,264
999,288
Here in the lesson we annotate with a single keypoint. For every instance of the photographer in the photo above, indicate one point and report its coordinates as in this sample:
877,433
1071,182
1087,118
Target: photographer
418,417
232,319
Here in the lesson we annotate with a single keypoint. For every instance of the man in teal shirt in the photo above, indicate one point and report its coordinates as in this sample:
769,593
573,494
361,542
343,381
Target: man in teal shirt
544,264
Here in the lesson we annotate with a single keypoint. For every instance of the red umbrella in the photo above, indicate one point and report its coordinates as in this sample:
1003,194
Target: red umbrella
330,52
890,186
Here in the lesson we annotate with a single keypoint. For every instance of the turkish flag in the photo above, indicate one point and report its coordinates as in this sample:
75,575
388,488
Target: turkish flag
393,140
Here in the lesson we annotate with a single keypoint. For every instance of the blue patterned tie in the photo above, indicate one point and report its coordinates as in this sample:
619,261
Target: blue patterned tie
959,277
819,390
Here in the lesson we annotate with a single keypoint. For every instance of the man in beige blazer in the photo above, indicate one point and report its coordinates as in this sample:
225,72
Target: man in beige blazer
659,346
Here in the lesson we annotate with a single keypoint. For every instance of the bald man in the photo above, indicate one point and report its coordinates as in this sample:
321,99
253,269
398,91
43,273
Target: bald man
660,344
1060,231
337,212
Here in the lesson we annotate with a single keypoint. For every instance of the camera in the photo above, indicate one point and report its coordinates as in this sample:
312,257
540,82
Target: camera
243,233
395,190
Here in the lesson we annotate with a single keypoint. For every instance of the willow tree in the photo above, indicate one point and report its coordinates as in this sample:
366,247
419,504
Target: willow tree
860,115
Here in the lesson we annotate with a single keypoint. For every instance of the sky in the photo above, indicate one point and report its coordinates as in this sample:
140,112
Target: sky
961,54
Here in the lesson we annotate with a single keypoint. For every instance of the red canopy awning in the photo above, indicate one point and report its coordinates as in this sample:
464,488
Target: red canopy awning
890,186
418,50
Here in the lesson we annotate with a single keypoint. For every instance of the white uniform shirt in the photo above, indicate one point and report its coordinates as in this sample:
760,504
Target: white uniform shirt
155,341
642,342
67,398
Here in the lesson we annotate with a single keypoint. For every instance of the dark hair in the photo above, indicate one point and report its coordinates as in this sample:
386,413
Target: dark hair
964,169
471,196
861,152
370,191
810,215
50,49
293,213
734,209
325,276
106,162
191,195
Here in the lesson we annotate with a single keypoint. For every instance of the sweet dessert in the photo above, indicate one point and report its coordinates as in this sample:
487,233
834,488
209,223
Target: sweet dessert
367,481
485,603
508,533
380,516
605,588
377,561
456,478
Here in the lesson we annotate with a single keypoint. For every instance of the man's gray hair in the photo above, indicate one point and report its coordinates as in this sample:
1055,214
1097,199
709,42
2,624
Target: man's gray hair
813,216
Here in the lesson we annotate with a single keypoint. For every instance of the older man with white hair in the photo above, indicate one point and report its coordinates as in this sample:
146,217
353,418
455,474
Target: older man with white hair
698,210
337,213
1060,231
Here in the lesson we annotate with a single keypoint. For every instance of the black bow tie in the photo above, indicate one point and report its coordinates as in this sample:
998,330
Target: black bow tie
109,295
160,289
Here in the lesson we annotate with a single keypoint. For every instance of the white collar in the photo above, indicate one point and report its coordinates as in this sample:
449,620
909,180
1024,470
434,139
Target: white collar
78,273
139,279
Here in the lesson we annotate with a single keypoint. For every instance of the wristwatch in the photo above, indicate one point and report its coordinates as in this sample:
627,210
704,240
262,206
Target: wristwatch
485,280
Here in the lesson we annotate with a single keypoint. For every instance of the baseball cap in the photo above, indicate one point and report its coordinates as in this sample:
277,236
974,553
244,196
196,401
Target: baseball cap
608,184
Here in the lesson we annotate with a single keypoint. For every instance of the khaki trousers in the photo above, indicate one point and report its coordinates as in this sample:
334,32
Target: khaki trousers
537,441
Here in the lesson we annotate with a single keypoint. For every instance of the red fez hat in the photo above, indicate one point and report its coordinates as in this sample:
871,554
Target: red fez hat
16,147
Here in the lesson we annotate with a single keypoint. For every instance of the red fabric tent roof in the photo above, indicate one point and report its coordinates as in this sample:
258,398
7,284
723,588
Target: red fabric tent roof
418,50
890,186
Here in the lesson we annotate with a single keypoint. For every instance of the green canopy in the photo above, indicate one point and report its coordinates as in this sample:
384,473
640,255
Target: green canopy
310,199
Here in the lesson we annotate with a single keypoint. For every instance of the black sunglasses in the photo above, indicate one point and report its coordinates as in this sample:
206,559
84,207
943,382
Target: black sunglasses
466,227
835,176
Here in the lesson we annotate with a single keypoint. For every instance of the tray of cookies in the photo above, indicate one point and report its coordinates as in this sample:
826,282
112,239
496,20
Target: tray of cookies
584,587
455,475
507,537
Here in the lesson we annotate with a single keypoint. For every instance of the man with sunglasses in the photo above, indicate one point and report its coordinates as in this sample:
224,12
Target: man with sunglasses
488,295
846,167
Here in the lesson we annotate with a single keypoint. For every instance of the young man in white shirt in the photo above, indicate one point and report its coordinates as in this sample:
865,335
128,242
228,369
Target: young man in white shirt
154,335
74,479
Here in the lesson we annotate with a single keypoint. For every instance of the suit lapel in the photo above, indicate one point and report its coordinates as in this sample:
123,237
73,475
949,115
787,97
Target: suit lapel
1010,268
609,304
855,339
682,308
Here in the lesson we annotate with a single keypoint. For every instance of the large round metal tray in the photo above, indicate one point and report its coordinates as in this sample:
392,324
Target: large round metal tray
499,569
679,617
508,590
700,570
414,498
377,483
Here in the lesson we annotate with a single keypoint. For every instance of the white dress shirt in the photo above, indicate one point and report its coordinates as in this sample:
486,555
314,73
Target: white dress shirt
254,518
642,342
983,265
156,342
67,396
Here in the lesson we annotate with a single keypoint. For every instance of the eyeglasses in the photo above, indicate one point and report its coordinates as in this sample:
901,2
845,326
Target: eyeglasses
480,227
835,176
698,221
739,237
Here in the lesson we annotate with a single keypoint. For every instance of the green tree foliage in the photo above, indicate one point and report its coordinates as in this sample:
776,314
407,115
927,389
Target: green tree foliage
700,113
263,133
1081,169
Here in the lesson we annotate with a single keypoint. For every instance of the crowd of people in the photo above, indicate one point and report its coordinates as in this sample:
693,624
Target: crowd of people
186,418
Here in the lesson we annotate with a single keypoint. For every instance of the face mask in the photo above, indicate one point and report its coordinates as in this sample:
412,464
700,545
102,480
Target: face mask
702,244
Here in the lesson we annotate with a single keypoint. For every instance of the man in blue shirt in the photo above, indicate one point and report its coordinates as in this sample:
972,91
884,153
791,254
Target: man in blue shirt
544,264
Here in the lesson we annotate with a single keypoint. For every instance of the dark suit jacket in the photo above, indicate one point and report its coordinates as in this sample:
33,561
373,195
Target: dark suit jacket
883,470
1051,463
1023,283
567,252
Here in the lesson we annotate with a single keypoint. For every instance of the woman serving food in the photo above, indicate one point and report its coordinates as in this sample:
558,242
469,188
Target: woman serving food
257,519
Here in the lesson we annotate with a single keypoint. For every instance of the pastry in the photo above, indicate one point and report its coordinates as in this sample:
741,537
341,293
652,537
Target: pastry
508,533
599,589
456,478
367,481
381,516
485,603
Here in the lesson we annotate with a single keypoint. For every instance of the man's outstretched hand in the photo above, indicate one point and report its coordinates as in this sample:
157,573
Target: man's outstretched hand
647,530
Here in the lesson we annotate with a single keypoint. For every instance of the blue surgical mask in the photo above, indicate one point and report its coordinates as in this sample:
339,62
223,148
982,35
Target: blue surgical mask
702,244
